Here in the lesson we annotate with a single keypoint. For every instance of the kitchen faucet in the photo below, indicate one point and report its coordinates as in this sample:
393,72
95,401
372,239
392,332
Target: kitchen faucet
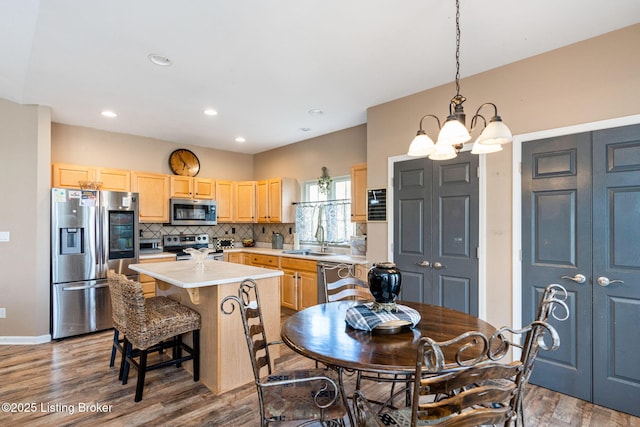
320,238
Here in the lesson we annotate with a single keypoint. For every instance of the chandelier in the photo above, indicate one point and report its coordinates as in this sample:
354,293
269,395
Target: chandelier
453,133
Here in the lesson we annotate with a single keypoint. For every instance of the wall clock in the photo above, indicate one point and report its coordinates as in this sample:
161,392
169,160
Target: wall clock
184,162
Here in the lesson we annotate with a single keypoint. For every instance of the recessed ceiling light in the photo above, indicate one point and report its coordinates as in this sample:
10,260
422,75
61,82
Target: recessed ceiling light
210,112
240,139
316,112
160,60
304,129
108,113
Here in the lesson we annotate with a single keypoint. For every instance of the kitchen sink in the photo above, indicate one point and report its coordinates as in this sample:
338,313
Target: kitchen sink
297,252
307,252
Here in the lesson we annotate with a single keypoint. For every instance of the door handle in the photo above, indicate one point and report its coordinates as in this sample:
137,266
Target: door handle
438,266
604,281
578,278
424,263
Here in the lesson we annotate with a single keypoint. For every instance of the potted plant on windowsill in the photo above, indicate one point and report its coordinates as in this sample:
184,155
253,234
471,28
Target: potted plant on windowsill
324,182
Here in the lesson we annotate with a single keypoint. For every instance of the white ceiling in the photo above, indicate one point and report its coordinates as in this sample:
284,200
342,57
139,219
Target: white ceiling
263,64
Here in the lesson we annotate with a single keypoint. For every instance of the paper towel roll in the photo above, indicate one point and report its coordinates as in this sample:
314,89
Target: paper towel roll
296,241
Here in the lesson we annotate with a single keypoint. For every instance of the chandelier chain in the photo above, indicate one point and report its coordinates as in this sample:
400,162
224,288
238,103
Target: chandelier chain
457,47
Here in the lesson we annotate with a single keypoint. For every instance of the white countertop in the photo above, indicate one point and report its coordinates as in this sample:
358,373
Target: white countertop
184,274
155,255
349,259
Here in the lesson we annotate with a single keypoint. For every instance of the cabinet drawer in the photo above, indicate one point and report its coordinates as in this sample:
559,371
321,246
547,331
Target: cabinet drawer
149,288
298,264
266,260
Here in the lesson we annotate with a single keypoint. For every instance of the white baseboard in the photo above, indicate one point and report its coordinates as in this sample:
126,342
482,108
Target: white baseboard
15,340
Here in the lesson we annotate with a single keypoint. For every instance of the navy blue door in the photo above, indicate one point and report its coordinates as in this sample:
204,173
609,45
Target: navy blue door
436,231
581,228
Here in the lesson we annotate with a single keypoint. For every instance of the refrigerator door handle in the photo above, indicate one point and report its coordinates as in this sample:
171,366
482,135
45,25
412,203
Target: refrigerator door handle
79,288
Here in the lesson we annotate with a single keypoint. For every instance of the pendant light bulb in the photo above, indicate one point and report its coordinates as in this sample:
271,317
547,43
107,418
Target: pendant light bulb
421,145
453,132
444,151
496,132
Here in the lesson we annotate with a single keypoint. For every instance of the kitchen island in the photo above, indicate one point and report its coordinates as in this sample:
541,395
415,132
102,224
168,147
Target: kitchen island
224,359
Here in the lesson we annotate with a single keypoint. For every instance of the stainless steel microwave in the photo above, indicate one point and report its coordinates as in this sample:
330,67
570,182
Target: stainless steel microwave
193,212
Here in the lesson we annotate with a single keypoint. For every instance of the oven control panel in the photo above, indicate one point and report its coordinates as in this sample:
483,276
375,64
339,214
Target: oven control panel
185,240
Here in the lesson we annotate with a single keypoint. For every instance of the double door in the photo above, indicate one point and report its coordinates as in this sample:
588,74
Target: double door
436,231
580,228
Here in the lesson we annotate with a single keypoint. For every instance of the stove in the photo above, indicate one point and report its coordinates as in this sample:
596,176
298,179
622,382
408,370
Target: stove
176,243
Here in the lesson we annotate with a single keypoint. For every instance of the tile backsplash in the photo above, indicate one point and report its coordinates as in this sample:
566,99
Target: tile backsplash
258,232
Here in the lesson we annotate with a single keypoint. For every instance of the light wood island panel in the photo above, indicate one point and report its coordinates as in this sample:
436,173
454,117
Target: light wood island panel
224,363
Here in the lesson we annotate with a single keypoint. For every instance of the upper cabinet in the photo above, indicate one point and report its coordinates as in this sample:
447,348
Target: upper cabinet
192,188
154,191
70,176
359,193
244,205
114,179
224,199
275,199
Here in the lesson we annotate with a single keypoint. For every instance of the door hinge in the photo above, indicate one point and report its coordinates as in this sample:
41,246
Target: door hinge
478,172
477,252
520,168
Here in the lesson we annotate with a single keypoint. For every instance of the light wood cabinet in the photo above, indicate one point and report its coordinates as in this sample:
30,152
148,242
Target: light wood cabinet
114,179
267,261
299,284
274,200
224,200
235,257
154,190
149,283
244,205
69,176
187,187
359,193
361,271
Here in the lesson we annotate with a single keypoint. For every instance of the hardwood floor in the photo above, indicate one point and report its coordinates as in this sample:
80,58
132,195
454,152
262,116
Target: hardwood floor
56,384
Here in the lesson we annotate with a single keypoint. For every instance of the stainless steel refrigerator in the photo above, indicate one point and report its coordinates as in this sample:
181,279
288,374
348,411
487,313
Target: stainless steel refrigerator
92,232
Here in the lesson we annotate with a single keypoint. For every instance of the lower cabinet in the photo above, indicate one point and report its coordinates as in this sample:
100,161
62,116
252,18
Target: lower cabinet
149,283
299,283
266,261
235,257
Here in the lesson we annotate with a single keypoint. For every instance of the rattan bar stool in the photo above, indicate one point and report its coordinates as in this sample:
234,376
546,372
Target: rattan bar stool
119,326
152,327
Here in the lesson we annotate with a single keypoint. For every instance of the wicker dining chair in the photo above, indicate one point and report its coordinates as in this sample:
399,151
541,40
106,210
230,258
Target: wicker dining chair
152,327
297,395
119,321
464,395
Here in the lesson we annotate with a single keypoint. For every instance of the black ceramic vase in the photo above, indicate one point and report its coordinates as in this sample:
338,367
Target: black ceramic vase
384,282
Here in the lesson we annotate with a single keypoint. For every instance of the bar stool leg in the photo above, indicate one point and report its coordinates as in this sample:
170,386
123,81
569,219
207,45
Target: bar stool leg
114,347
196,354
142,370
124,362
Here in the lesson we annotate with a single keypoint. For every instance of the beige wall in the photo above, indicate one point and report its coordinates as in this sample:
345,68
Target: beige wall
304,160
92,147
590,81
593,80
24,212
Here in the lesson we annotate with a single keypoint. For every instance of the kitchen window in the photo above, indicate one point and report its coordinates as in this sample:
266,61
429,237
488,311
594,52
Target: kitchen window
332,211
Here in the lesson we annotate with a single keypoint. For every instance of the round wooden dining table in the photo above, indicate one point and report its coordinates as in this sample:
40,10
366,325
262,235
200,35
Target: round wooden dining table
321,333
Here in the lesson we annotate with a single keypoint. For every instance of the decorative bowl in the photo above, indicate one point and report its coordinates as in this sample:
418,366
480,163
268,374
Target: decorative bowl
199,255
